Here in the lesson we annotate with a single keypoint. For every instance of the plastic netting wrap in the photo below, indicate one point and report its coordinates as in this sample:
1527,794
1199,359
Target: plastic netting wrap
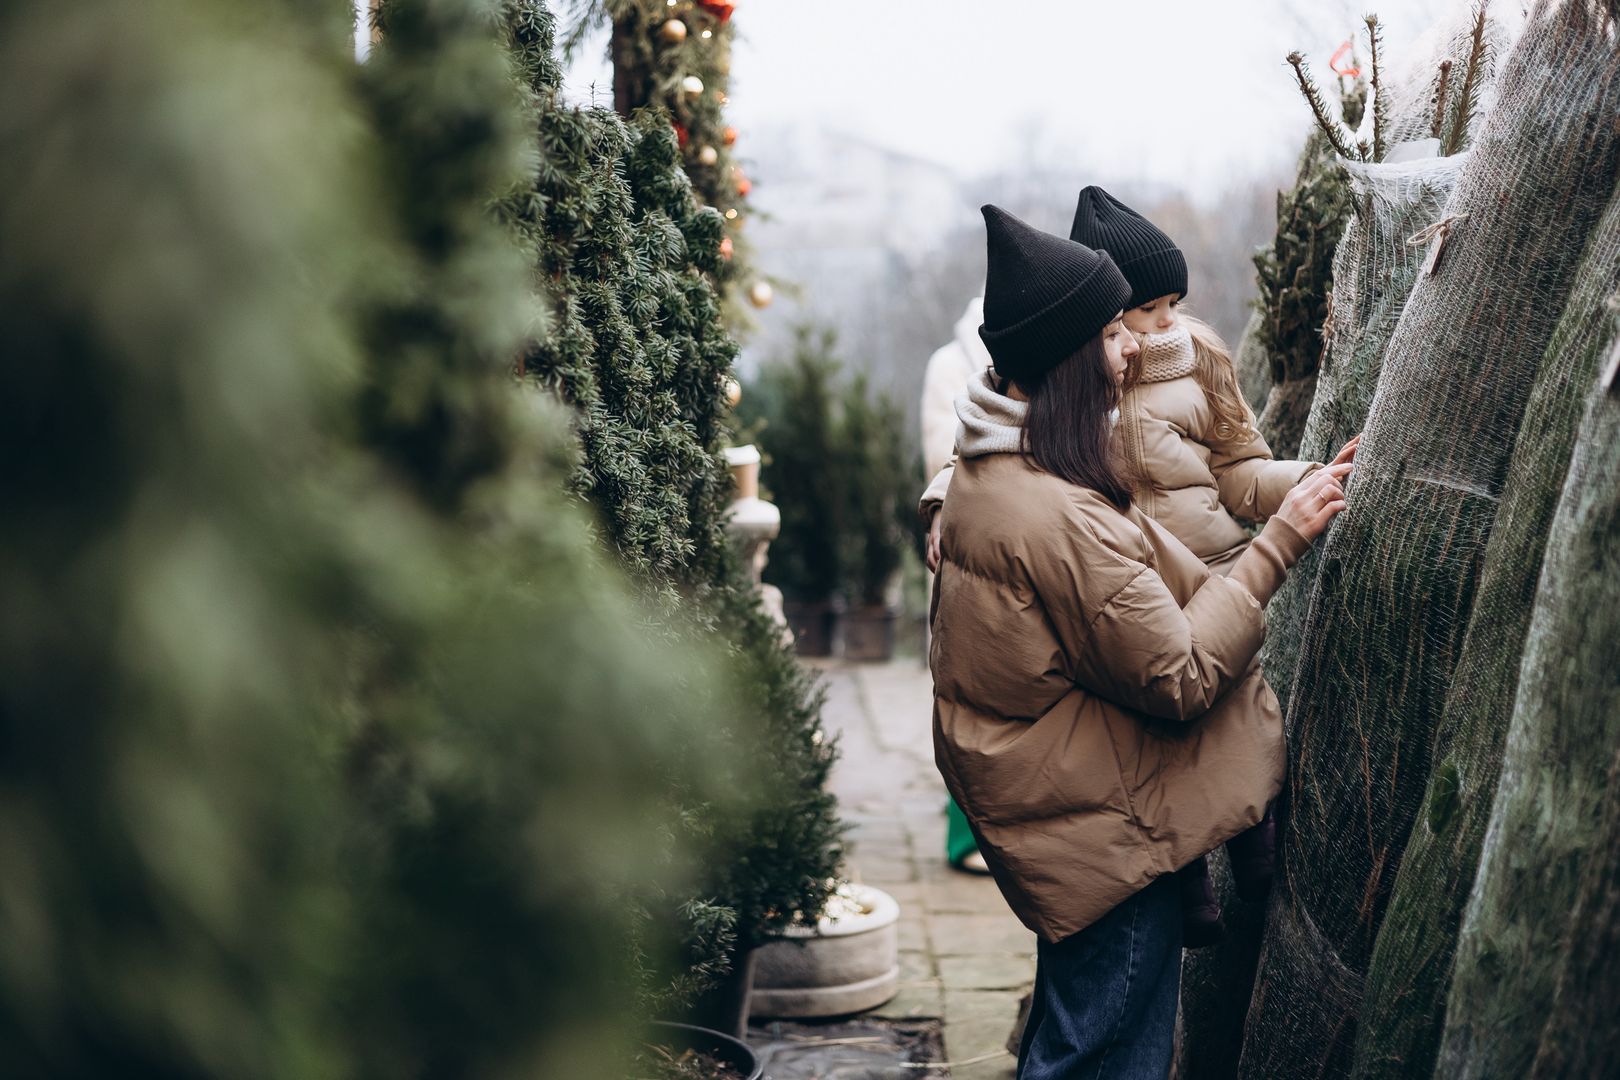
1415,84
1373,273
1580,1037
1375,267
1543,905
1399,570
1411,967
1539,938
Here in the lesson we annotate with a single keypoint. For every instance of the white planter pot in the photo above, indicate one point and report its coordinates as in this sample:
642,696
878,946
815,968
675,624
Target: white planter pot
845,964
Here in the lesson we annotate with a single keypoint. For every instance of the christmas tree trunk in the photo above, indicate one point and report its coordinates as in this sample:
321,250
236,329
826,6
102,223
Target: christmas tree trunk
1411,966
1540,924
1399,568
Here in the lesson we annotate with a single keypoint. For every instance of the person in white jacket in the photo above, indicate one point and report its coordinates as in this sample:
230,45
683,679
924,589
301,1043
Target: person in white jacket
950,369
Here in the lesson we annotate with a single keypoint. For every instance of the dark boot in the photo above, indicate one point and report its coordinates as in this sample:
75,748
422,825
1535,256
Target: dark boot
1200,913
1253,855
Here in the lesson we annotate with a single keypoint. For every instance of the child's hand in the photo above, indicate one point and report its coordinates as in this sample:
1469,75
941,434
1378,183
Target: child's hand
1316,500
1348,454
932,553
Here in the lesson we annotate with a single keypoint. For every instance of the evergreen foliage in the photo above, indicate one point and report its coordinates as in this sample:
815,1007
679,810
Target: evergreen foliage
839,468
629,262
331,746
650,69
1410,972
881,476
795,405
1295,275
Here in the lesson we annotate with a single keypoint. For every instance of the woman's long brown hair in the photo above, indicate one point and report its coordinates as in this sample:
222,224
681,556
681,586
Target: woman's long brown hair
1068,430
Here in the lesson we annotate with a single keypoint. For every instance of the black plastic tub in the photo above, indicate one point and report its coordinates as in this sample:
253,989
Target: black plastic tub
721,1047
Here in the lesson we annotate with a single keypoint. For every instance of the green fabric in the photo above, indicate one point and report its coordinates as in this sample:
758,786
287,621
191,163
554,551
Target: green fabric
959,842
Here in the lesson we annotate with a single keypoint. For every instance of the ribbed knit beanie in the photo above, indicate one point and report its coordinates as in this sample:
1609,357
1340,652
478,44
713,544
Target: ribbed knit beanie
1044,296
1148,258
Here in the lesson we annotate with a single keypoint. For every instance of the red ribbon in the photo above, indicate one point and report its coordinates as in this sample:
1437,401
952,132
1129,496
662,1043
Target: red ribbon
1339,54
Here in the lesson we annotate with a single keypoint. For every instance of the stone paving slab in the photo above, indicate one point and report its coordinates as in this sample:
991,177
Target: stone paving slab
965,959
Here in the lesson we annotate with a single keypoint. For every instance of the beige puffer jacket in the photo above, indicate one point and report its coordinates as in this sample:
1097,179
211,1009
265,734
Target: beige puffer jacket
1098,711
1191,482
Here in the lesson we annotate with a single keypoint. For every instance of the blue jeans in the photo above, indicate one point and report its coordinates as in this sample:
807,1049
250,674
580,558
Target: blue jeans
1105,998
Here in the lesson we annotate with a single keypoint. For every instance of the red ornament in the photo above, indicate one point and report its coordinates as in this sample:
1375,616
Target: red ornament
730,135
720,9
725,247
744,185
680,134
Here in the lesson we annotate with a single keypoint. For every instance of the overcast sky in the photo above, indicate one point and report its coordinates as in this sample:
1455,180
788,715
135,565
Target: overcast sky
1187,92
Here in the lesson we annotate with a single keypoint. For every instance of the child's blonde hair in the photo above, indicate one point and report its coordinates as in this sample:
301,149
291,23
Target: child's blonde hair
1217,377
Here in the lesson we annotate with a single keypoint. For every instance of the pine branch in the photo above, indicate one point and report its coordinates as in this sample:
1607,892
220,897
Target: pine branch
1468,96
1440,101
1375,37
1313,98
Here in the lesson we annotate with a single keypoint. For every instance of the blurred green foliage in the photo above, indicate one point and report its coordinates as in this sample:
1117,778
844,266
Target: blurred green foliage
329,744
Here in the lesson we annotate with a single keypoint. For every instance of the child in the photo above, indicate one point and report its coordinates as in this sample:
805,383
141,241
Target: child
1189,440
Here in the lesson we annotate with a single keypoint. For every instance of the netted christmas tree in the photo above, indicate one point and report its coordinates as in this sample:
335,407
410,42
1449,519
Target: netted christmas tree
1534,980
630,261
1532,992
331,743
1410,973
1372,271
1400,569
1376,264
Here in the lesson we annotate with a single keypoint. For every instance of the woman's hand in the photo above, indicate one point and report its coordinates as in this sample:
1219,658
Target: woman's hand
1348,453
1317,499
932,555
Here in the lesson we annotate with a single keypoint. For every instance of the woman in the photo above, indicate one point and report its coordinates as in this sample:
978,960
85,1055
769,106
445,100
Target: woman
1098,711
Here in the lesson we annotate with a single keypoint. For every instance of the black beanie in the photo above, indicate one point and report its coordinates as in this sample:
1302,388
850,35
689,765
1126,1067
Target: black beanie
1044,296
1148,258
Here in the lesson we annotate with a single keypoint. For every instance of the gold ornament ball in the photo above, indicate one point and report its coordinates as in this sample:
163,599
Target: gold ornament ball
692,86
708,156
760,294
733,392
673,31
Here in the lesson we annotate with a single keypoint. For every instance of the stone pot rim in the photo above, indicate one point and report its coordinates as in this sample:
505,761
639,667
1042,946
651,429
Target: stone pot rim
884,910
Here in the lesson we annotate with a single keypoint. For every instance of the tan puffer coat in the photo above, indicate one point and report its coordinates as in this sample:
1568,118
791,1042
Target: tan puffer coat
1098,711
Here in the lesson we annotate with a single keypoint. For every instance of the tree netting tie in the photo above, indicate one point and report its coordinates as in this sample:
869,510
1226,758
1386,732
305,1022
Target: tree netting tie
1436,235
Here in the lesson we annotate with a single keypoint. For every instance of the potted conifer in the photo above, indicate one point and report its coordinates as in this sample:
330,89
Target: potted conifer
794,405
878,489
